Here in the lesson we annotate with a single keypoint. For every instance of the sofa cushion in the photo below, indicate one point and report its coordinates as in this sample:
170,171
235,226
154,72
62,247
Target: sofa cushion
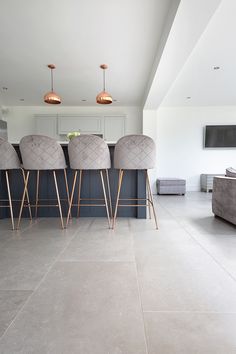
230,172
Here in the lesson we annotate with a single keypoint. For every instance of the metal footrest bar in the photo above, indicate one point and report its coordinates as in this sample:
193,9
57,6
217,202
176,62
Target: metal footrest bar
148,200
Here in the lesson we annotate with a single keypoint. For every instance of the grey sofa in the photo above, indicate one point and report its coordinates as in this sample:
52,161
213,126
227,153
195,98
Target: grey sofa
224,198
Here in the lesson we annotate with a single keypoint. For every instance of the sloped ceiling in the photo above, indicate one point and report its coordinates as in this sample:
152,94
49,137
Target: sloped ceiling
77,36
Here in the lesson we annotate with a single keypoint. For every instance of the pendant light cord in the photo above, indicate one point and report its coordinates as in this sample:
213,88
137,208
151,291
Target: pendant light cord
52,79
104,88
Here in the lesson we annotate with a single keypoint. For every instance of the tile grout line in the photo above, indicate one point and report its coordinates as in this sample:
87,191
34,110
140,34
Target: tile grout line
191,311
139,292
200,245
37,287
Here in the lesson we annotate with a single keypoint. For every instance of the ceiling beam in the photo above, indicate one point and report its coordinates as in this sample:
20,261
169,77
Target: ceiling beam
191,20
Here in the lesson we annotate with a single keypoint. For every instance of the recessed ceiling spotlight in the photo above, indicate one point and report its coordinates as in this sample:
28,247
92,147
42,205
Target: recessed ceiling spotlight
4,88
216,67
83,100
188,97
22,99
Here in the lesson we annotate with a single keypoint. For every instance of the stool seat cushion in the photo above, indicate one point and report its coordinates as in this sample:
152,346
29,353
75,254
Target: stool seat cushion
88,152
9,159
41,153
135,152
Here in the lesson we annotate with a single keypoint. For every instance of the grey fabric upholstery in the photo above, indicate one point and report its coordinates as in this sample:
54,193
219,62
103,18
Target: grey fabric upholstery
8,156
88,152
40,152
171,186
230,172
224,198
171,181
135,152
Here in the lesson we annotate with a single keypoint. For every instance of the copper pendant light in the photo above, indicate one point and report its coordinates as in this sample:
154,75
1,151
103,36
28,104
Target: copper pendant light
104,97
51,97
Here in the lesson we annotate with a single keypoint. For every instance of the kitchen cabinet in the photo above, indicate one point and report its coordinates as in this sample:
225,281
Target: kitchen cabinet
114,127
111,127
84,124
46,124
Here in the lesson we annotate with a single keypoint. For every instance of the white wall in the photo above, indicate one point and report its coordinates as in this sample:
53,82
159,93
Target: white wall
149,127
21,120
179,138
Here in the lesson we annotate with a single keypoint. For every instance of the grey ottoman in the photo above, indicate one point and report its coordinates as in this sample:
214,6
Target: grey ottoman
171,186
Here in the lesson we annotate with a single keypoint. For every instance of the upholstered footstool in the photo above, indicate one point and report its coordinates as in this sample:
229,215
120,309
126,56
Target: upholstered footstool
171,186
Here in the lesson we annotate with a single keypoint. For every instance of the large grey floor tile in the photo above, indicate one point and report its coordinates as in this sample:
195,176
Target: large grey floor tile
24,261
5,225
190,333
150,240
202,224
102,245
82,308
221,247
10,303
184,278
146,225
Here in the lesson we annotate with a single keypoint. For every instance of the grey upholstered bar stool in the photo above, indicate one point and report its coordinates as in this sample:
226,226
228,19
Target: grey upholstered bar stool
42,153
90,152
9,161
135,152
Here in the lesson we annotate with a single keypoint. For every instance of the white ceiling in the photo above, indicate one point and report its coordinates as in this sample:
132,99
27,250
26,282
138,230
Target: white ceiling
78,36
198,79
189,25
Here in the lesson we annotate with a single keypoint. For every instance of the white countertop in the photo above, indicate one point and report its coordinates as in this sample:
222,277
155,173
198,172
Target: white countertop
65,142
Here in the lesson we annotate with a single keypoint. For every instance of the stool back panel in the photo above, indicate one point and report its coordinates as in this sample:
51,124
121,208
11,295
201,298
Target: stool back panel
41,153
88,152
135,152
9,159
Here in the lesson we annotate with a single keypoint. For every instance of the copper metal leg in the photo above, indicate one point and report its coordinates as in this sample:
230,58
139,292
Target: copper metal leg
148,197
23,198
27,195
71,198
37,195
58,199
151,198
105,199
10,202
109,192
79,191
118,195
67,189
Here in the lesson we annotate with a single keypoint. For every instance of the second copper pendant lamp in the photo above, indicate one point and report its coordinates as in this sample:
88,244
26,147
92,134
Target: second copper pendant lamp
104,97
51,97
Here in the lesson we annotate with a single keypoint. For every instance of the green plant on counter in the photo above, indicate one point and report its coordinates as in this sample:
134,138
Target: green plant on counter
72,135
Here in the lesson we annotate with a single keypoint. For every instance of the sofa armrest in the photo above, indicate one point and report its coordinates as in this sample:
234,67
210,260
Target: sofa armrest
224,198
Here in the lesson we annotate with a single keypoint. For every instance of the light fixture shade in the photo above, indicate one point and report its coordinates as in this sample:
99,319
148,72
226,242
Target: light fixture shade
52,98
104,98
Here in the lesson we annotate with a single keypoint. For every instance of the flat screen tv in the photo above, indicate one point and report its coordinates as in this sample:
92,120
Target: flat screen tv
220,136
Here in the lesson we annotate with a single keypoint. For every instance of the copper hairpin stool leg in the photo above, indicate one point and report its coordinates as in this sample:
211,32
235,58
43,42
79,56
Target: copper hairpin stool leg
148,200
84,204
58,199
151,199
121,172
72,196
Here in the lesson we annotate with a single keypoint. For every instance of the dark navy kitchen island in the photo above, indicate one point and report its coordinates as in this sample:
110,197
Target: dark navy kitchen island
134,186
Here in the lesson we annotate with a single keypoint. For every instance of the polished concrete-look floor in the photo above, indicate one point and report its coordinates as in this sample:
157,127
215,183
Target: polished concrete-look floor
135,290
